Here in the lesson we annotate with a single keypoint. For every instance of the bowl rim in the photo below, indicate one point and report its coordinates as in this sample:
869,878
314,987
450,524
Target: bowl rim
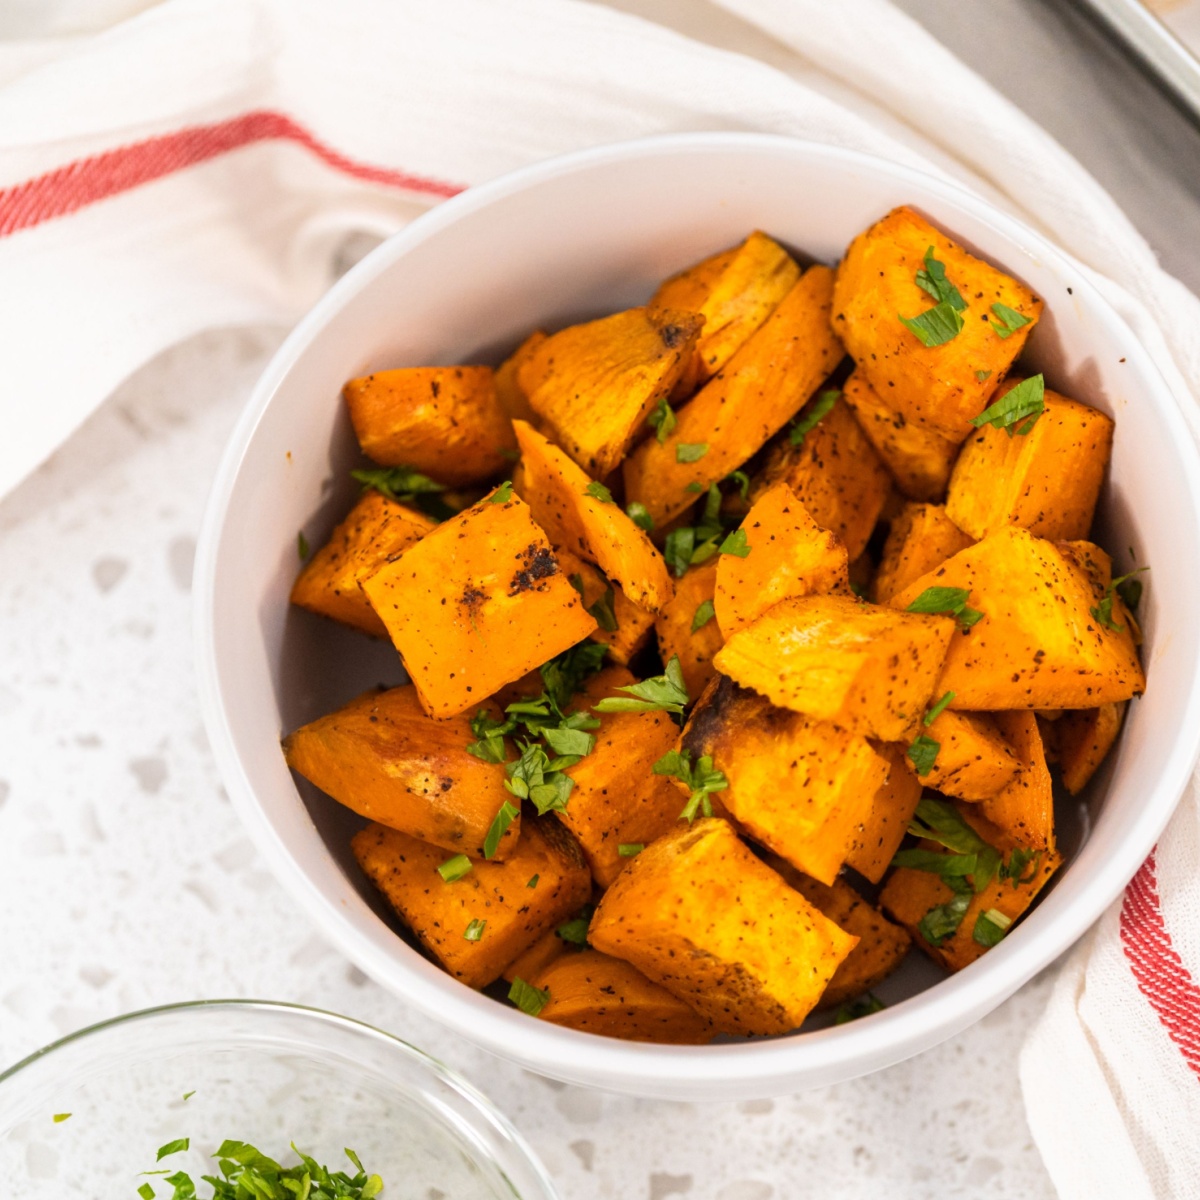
759,1067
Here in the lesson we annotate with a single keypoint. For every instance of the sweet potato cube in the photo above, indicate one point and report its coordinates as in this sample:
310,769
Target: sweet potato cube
689,630
909,895
974,762
1024,810
921,538
509,393
531,963
439,913
789,556
477,603
596,993
1038,644
375,530
594,528
595,384
699,914
617,799
892,808
939,387
801,787
881,945
750,399
1047,480
444,421
1083,740
384,758
841,660
919,459
624,628
836,475
735,292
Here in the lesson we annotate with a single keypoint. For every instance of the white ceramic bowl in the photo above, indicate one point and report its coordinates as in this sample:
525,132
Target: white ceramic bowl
570,239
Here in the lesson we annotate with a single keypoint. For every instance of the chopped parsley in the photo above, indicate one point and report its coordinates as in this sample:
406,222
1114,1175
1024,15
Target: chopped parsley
1121,586
935,326
475,930
454,868
690,452
1008,320
537,777
704,614
990,927
533,881
983,376
527,998
576,929
741,481
663,419
659,693
1015,869
302,546
1129,588
690,545
599,492
500,822
630,849
932,279
947,600
406,486
1026,399
175,1147
864,1006
812,416
923,754
736,544
503,494
602,610
639,514
59,1118
701,777
937,710
943,921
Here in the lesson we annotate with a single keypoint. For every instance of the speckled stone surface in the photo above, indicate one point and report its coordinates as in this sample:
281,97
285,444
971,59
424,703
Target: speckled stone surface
126,880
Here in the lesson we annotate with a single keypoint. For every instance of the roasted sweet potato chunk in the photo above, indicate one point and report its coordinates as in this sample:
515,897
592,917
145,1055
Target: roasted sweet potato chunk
589,524
688,629
789,556
623,627
700,915
376,530
1038,644
735,291
801,787
509,393
974,762
836,475
444,421
496,893
384,758
1082,741
1024,810
921,538
757,392
892,808
477,603
596,993
1046,480
595,384
919,459
841,660
936,386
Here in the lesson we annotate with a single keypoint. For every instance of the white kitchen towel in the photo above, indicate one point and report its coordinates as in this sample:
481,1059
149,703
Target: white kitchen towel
201,162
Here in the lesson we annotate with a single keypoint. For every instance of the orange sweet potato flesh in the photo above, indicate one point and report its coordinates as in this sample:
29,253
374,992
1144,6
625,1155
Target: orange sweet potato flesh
444,421
597,530
801,787
892,807
633,624
596,993
735,291
676,638
881,945
375,529
837,476
405,871
909,894
476,604
789,556
1083,740
595,384
1024,810
1047,480
700,915
919,459
974,761
384,758
841,660
757,392
531,963
921,538
1038,645
509,393
939,388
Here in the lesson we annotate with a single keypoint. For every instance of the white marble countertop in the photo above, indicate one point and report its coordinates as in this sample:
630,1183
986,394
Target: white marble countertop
126,880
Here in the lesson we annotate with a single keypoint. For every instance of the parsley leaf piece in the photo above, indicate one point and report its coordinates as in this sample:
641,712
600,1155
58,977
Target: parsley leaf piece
937,710
1130,589
701,777
983,376
146,1192
59,1118
630,849
500,822
564,675
575,930
934,862
940,821
864,1006
599,492
1026,399
503,494
812,416
677,550
602,610
741,481
1122,585
475,930
1009,321
659,693
990,927
527,998
302,546
935,326
690,452
553,793
695,487
189,1095
565,740
947,600
663,419
398,483
491,733
639,514
454,868
1014,870
736,544
173,1148
943,921
704,614
533,881
923,754
932,279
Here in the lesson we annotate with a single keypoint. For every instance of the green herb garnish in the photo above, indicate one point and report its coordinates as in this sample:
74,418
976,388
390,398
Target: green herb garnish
1122,586
599,492
1015,869
490,732
935,326
811,417
454,868
302,546
527,998
943,921
659,693
602,610
932,279
630,849
690,545
533,881
923,754
704,614
741,481
864,1006
940,821
564,675
1025,399
59,1118
990,927
639,514
576,929
173,1148
475,930
690,452
406,486
937,710
1009,320
500,822
701,777
663,419
947,600
503,494
736,544
983,376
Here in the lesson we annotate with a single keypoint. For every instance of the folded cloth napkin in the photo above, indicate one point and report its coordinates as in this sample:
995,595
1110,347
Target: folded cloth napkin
201,162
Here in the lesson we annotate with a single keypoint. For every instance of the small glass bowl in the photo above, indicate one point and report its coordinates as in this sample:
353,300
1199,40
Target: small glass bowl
269,1074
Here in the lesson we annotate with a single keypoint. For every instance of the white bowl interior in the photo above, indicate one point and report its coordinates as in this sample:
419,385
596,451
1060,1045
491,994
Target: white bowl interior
579,237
